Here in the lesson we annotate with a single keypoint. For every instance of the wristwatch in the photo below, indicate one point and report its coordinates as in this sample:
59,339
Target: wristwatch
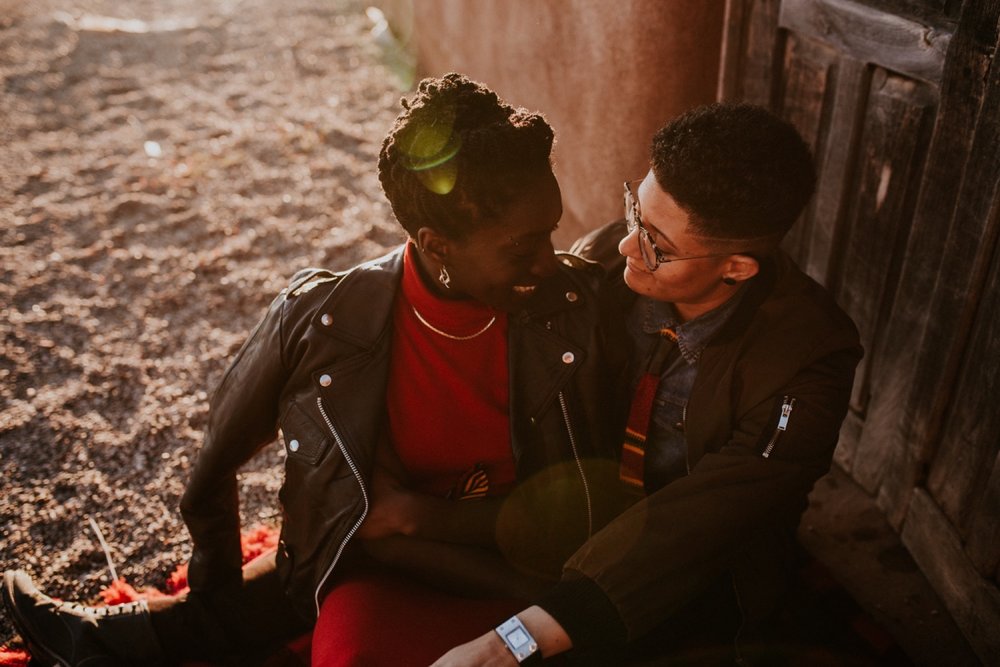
518,640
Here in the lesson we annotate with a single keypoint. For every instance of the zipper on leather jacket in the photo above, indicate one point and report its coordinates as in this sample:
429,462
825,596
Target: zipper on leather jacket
787,404
364,494
579,464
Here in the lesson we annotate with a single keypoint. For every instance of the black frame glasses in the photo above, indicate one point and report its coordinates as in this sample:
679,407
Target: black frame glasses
652,256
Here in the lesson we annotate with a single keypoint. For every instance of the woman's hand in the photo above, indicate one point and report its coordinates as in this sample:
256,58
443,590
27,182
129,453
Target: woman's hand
391,507
485,651
395,509
490,651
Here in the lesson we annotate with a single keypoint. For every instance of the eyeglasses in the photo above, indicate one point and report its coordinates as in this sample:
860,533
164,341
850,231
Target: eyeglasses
651,255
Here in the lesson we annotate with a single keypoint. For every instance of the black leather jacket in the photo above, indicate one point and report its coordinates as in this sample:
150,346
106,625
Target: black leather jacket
316,367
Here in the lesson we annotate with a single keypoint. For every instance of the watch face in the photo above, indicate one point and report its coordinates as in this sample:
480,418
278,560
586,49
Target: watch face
518,638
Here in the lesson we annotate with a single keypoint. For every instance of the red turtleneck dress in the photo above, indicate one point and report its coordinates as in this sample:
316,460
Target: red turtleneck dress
447,401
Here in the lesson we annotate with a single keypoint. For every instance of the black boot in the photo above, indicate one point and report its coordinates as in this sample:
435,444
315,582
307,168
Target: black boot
70,635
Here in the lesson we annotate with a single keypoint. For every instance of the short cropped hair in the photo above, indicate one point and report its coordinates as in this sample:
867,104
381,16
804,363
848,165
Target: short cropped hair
738,170
458,156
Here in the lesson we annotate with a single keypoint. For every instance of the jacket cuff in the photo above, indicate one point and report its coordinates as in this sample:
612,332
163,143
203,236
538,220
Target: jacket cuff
585,612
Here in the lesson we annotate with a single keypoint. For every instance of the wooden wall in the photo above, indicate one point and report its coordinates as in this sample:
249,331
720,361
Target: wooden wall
901,102
606,74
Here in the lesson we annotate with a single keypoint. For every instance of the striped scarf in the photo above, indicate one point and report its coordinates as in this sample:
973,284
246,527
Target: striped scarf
632,467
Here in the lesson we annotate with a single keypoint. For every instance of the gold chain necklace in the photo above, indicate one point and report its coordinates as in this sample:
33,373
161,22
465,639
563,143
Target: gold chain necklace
448,335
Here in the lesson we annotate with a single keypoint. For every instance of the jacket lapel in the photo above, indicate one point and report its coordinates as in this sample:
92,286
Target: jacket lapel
542,361
358,312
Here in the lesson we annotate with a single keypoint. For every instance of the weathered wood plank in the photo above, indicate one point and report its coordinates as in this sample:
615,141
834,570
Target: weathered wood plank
850,433
838,153
893,145
804,100
932,11
911,360
806,86
983,543
969,442
760,64
972,602
886,39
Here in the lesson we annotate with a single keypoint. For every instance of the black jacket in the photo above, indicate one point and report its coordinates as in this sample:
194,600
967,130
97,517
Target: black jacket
316,367
787,344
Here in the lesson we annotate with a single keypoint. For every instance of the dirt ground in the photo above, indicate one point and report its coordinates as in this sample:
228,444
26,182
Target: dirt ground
161,178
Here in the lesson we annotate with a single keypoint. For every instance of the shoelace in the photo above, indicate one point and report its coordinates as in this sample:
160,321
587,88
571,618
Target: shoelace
101,612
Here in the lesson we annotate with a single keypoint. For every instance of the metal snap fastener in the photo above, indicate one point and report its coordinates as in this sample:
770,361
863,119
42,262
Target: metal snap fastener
293,446
325,380
568,357
571,296
326,319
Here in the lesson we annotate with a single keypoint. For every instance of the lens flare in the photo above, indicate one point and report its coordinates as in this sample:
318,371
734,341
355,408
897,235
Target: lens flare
429,149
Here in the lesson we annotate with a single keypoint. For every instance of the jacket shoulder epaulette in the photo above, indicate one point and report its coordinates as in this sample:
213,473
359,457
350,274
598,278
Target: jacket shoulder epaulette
578,263
305,280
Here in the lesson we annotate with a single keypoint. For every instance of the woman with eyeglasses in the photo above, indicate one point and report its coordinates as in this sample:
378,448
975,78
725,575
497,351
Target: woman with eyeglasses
741,372
440,409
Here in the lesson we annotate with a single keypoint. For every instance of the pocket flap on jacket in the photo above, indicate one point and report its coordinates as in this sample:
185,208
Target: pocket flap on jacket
303,438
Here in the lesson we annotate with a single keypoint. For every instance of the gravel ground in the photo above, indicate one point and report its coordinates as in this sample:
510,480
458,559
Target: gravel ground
160,180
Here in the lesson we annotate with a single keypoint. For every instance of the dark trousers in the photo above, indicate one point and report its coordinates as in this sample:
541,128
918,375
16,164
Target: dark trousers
242,627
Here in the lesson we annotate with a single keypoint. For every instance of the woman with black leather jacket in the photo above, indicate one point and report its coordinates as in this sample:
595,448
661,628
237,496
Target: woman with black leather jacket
440,412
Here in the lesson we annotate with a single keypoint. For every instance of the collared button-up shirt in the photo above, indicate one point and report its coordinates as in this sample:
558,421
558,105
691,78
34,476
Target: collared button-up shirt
666,447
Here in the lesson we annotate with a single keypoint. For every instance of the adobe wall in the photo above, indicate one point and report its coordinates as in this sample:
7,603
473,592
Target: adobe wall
606,74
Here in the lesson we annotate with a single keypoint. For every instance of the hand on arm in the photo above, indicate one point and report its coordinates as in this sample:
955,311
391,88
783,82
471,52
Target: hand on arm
396,510
449,544
391,507
490,651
